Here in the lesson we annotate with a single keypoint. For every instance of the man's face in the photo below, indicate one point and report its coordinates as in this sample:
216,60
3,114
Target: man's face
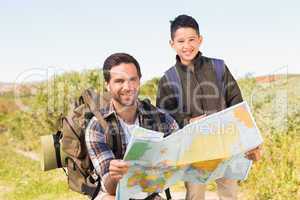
186,43
124,84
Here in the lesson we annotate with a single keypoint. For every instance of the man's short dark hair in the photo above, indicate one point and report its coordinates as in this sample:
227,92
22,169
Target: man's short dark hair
183,21
117,59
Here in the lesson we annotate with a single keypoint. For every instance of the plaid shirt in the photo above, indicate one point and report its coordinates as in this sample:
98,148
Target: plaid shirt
100,152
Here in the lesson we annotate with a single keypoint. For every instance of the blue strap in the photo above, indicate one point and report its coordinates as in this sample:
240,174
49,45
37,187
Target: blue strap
219,67
175,83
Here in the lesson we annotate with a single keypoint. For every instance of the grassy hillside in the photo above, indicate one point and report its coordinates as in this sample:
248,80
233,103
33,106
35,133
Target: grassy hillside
276,108
275,105
21,178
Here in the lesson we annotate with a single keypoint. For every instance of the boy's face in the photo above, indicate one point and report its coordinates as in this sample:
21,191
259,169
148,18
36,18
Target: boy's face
186,43
124,84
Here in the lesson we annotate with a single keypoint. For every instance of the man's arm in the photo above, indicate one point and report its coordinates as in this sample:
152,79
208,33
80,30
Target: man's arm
117,169
102,157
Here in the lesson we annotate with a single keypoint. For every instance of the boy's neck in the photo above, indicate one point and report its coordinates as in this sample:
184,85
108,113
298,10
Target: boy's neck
187,63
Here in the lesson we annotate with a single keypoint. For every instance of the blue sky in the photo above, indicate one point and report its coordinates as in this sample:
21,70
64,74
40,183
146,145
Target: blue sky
257,37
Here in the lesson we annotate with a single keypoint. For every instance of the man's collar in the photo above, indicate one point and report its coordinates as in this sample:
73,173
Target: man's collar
110,109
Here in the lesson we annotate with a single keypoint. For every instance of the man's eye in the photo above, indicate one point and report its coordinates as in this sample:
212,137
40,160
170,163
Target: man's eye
133,79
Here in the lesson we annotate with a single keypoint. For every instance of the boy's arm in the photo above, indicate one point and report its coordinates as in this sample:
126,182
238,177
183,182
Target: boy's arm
234,96
162,94
233,93
166,101
171,124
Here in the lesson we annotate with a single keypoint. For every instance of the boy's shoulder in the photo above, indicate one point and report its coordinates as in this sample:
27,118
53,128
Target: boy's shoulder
204,61
200,59
146,107
149,109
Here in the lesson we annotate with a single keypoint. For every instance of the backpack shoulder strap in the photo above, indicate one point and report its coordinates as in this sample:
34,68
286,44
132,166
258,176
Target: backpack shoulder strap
153,112
89,100
219,67
175,83
114,141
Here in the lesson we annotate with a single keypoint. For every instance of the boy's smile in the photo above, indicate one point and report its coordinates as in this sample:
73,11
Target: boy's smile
186,43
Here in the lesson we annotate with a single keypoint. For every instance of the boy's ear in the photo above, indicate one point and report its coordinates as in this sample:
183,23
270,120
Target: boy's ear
171,42
200,39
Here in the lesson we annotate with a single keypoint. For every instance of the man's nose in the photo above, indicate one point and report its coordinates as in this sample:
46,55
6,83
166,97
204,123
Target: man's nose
126,85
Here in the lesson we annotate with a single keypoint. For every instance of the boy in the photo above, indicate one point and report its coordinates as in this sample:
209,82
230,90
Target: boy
204,86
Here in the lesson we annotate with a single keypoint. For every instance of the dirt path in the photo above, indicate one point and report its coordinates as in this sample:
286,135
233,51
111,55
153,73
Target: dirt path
28,154
4,189
181,195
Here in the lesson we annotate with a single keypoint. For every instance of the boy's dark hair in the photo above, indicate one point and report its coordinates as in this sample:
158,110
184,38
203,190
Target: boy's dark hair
183,21
117,59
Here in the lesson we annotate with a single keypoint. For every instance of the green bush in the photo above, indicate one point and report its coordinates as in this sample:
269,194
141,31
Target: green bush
52,99
277,176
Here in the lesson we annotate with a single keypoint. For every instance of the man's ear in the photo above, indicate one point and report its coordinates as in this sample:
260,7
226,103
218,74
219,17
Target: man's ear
107,86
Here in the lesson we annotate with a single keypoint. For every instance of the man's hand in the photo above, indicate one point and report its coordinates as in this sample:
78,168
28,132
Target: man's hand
254,154
197,118
117,169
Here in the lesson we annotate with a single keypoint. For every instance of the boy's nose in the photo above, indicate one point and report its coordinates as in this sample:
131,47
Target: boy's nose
185,45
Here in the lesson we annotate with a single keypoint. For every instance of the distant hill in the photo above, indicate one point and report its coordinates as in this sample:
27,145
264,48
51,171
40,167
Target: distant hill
9,88
6,87
274,77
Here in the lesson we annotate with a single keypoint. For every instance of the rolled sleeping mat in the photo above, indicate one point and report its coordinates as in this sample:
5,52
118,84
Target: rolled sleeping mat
52,155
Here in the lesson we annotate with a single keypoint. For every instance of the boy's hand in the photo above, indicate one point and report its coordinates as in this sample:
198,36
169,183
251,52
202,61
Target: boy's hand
117,169
254,154
197,118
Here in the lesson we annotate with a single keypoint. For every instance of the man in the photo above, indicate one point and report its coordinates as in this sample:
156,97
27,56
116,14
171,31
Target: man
200,93
122,78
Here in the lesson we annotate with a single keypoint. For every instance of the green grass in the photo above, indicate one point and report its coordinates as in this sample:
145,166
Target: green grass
22,179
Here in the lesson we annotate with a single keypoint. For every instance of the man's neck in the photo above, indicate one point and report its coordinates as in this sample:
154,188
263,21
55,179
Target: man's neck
126,113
